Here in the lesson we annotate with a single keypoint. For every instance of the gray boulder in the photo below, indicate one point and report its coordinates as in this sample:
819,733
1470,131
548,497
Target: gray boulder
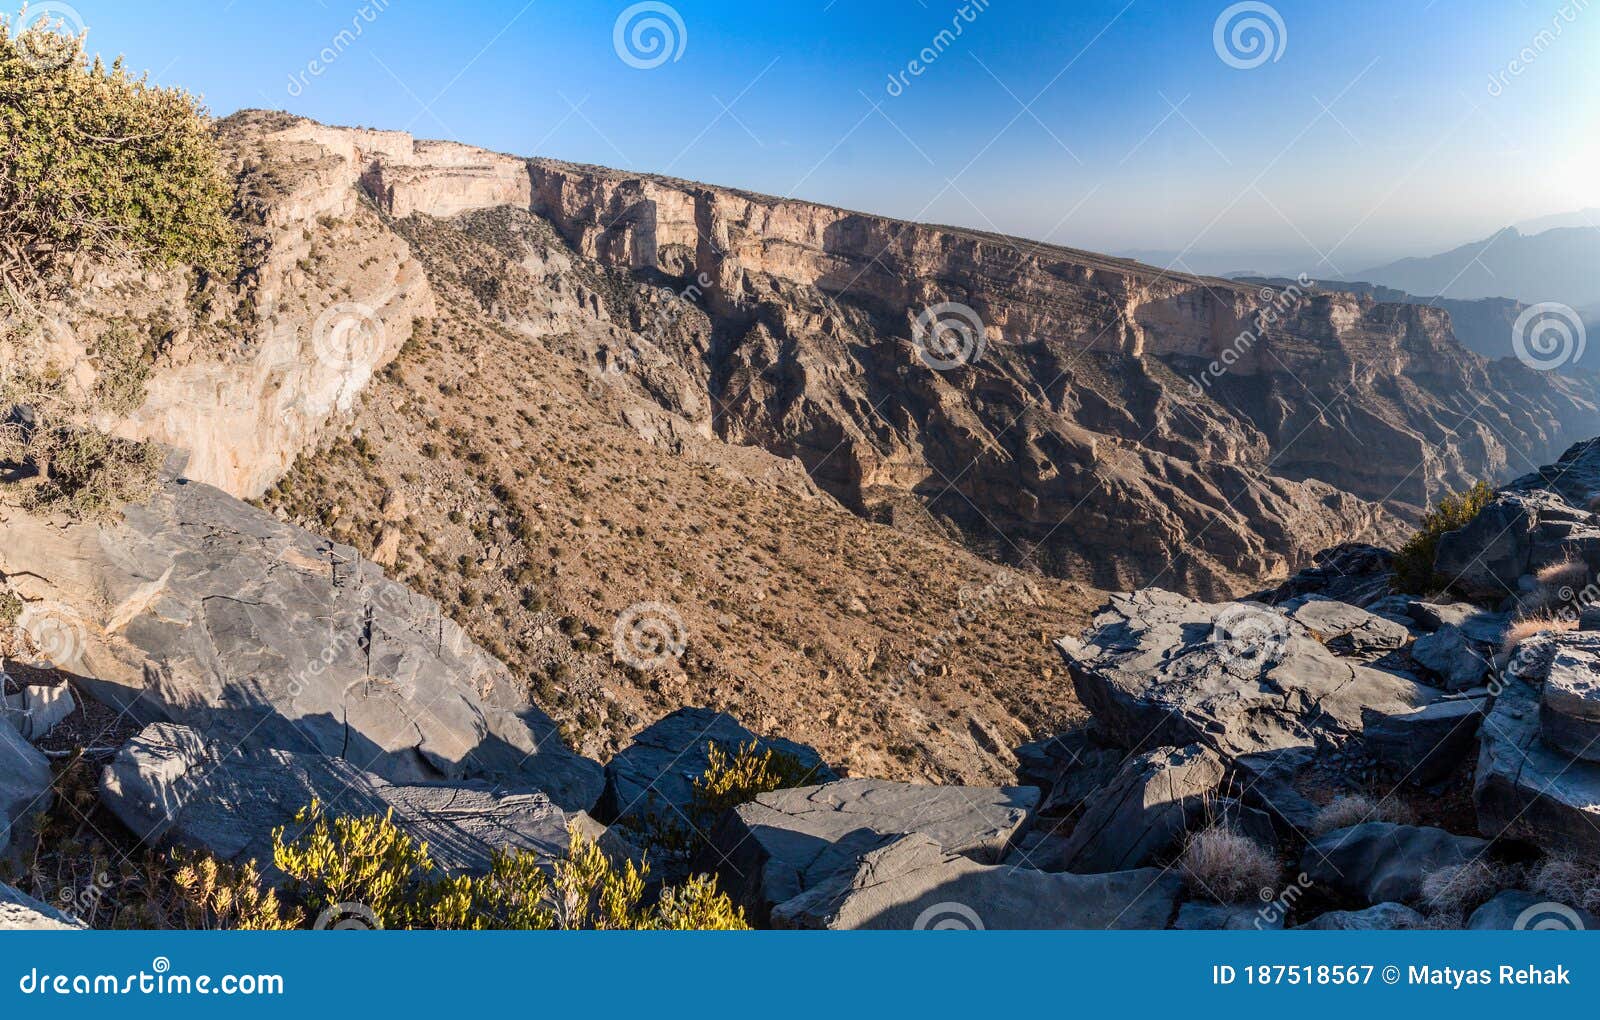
170,785
1380,862
24,783
1379,917
1527,790
1144,811
1518,910
1478,625
1424,746
1569,703
1450,655
1526,528
914,884
1198,916
1158,669
199,609
1348,630
786,842
21,912
37,709
654,775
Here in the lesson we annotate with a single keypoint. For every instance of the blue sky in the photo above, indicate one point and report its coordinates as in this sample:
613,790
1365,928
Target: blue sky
1113,126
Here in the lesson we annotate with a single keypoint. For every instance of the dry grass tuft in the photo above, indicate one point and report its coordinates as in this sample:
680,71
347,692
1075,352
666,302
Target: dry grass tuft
1354,809
1568,880
1532,626
1223,864
1569,573
1456,890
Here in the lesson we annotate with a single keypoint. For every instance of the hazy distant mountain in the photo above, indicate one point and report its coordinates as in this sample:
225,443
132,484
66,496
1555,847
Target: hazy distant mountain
1552,265
1227,265
1582,218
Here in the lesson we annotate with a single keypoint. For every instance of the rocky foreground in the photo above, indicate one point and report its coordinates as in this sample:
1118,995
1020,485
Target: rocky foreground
260,668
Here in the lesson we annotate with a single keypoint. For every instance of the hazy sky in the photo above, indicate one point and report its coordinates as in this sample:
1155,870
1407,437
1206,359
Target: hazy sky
1380,128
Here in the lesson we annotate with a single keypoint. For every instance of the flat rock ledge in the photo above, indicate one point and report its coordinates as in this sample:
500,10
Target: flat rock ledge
1159,669
197,608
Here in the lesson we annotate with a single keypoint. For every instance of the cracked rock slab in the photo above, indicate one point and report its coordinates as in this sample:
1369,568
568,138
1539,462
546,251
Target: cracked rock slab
785,842
1424,746
1347,629
24,783
914,884
197,608
1527,790
170,785
1159,669
1569,704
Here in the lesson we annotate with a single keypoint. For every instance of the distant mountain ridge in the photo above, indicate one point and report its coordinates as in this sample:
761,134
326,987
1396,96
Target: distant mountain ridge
1553,265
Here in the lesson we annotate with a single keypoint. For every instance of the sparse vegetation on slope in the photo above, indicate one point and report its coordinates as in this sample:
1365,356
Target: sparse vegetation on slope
503,467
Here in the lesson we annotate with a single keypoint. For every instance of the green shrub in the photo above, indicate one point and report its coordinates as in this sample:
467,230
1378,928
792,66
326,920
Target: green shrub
372,862
728,781
1413,564
96,161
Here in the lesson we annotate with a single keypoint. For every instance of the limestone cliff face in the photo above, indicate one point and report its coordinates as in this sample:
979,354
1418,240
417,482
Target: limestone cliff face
1122,423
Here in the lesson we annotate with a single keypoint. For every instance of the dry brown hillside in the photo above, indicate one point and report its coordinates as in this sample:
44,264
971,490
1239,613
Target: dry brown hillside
540,496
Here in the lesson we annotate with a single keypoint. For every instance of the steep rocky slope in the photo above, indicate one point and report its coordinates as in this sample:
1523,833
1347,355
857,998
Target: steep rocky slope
1097,400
